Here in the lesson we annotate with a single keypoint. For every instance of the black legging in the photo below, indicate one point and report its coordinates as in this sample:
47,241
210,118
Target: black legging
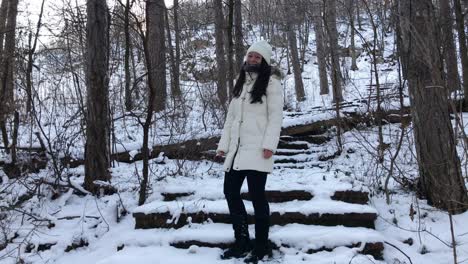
256,181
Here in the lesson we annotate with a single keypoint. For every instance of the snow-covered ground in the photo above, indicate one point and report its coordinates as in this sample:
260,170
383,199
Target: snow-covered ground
94,220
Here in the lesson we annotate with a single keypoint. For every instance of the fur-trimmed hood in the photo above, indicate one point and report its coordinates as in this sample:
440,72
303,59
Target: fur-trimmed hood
276,72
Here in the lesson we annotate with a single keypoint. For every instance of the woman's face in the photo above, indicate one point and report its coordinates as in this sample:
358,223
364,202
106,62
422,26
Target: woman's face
254,58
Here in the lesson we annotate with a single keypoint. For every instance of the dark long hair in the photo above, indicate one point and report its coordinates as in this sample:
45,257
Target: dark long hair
260,85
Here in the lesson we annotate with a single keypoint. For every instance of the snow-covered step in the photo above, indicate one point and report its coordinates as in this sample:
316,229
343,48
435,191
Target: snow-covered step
303,238
300,165
281,196
313,139
160,214
293,145
292,152
298,158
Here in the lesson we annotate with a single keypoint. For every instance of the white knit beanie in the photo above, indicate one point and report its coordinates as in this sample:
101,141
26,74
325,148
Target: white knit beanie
263,48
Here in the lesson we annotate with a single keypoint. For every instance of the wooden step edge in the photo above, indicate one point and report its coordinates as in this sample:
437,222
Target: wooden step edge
164,220
290,160
374,249
350,196
275,196
283,196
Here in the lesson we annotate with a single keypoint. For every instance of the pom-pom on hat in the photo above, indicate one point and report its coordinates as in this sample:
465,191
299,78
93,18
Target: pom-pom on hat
263,48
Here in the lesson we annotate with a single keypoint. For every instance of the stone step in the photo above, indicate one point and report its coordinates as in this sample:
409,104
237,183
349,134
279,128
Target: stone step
165,220
276,196
299,158
293,145
298,238
310,239
176,214
300,165
292,152
313,139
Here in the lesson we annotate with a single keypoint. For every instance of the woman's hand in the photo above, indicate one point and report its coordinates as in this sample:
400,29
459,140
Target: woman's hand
267,153
219,157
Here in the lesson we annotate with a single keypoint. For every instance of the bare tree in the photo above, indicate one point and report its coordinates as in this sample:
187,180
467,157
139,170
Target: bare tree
174,51
128,53
230,46
298,84
154,64
156,51
448,45
238,34
7,65
220,58
321,47
177,46
175,87
32,43
441,181
462,46
97,80
332,32
352,48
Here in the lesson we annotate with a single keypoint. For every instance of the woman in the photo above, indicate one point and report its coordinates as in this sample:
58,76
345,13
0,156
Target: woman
249,139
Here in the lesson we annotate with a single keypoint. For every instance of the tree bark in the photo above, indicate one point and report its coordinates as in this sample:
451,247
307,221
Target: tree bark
330,24
292,41
175,89
156,51
448,46
97,80
128,53
230,46
462,46
238,35
7,65
352,48
441,181
177,48
3,114
321,49
220,58
3,17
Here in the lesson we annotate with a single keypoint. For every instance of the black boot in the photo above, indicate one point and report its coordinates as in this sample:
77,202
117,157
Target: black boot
242,245
261,248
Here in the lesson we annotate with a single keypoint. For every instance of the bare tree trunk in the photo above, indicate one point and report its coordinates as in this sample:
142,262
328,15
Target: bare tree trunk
175,90
332,32
220,58
358,15
462,46
157,51
155,63
6,69
97,80
30,62
230,47
321,49
128,53
238,35
352,48
441,181
304,37
448,46
177,48
292,41
3,17
3,112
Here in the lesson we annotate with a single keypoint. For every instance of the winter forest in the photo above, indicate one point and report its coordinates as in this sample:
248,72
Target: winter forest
111,112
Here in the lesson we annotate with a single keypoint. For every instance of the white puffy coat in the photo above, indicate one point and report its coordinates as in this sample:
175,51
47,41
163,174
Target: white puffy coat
250,128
